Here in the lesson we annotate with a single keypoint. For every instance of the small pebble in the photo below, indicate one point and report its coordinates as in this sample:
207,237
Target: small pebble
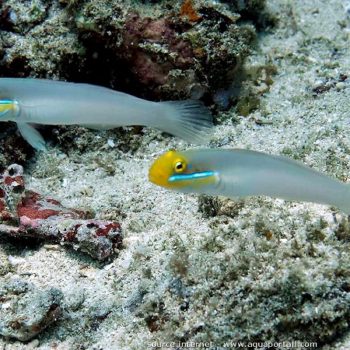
111,143
340,86
33,344
15,260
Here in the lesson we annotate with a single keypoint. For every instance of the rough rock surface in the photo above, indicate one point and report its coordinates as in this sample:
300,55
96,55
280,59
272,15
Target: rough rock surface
27,310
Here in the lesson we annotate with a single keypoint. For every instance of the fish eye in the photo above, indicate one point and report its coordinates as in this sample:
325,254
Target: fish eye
179,166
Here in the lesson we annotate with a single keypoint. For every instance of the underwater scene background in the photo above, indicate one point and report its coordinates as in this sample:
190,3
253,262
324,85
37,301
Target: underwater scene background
127,265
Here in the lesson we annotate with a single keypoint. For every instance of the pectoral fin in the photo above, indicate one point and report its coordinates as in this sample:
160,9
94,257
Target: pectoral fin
32,136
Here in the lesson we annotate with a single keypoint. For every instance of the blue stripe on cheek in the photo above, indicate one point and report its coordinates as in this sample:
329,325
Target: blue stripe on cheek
193,176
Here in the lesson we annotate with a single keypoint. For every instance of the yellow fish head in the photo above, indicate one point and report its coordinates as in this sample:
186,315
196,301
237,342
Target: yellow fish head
175,170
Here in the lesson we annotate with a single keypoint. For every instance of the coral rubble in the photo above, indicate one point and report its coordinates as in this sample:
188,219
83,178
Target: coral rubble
26,310
28,214
176,51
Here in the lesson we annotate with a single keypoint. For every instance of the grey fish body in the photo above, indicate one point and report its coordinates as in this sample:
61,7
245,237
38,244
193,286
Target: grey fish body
242,173
56,103
60,103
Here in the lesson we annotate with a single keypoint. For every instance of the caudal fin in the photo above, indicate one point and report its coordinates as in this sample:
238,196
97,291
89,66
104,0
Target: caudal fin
189,120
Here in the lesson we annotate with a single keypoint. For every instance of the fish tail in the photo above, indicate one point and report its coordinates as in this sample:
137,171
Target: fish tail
189,120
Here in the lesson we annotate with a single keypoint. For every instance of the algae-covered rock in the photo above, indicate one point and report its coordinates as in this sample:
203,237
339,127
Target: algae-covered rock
36,38
26,310
14,149
167,53
5,265
188,49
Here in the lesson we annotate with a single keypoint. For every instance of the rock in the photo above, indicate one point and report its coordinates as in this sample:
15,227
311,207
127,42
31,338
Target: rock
27,310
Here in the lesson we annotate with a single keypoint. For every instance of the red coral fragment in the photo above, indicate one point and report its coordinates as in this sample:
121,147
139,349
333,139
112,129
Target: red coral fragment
34,215
30,208
4,214
70,235
104,231
53,201
16,181
187,10
34,206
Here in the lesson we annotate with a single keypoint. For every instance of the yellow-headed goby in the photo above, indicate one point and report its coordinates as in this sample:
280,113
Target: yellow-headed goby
238,173
36,101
